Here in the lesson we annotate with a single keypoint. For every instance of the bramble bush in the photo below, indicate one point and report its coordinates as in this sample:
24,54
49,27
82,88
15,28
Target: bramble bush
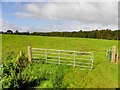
18,73
11,69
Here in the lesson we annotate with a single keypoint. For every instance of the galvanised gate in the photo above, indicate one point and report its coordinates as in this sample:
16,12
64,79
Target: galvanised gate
63,57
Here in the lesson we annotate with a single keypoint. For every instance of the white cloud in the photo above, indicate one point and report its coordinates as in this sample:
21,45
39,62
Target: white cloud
59,0
74,26
79,16
77,26
23,15
85,12
6,25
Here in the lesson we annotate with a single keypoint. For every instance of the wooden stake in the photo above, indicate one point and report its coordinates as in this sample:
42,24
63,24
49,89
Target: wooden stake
21,53
116,57
113,54
29,54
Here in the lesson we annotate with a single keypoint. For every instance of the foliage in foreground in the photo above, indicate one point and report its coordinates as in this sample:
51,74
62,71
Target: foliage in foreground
12,68
17,73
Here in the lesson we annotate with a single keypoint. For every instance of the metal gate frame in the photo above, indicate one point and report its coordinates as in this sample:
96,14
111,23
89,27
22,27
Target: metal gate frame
58,56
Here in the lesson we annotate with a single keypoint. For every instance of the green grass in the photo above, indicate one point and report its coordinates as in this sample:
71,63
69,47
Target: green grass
20,42
104,74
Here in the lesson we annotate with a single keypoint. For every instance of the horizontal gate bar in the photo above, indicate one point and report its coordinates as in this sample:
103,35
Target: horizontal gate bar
53,56
61,50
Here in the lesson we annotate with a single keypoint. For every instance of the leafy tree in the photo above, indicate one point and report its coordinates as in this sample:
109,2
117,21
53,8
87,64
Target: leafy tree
9,32
99,34
16,32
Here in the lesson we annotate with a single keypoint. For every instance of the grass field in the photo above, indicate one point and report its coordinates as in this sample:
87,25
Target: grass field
104,74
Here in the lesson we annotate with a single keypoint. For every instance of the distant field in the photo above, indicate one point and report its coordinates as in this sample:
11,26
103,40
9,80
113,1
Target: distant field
20,43
104,73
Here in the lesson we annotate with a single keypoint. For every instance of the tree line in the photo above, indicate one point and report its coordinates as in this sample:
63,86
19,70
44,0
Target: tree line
98,34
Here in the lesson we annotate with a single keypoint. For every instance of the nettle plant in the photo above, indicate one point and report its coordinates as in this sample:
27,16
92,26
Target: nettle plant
18,73
12,67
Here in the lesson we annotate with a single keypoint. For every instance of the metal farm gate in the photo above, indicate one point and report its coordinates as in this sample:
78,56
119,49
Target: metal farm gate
63,57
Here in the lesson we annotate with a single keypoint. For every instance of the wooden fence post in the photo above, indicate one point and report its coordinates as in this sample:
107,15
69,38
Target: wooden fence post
113,59
29,54
117,57
21,53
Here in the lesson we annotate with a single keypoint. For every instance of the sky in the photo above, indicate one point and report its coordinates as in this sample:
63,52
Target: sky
46,16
